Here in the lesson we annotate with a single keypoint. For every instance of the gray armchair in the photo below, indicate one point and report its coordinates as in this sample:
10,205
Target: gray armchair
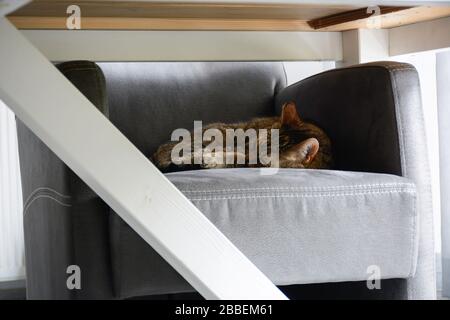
314,233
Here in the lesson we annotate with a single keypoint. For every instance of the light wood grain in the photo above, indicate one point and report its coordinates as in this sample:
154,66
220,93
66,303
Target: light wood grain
134,15
396,19
138,9
123,23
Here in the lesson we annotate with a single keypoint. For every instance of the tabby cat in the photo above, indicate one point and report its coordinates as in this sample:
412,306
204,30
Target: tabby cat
301,145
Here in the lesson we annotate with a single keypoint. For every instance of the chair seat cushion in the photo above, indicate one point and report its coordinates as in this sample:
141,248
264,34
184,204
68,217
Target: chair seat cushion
297,226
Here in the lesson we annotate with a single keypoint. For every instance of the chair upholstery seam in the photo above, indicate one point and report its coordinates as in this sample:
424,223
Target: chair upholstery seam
48,193
318,188
292,195
25,210
45,189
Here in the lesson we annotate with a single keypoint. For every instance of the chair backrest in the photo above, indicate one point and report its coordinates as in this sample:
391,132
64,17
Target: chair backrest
148,100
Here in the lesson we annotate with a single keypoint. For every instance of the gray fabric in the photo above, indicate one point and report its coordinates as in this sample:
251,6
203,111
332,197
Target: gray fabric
149,100
415,166
47,223
89,79
298,226
13,290
355,108
374,115
65,222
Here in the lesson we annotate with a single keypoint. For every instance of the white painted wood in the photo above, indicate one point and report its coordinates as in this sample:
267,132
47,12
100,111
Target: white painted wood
61,45
123,177
364,45
8,6
418,37
350,48
373,45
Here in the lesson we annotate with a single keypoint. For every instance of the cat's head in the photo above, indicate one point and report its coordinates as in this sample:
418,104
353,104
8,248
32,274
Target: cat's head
302,144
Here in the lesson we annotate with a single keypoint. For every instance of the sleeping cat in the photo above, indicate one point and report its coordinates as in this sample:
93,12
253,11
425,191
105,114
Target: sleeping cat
301,145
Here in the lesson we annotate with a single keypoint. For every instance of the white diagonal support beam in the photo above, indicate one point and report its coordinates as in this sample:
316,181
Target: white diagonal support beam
8,6
123,177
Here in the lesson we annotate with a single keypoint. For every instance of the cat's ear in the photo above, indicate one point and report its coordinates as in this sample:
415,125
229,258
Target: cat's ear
307,150
289,115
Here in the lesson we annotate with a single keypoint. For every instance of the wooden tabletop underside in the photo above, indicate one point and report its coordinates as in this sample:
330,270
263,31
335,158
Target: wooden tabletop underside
138,15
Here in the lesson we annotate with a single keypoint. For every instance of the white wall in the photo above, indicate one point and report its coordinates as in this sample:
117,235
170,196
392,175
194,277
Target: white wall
298,70
443,100
12,265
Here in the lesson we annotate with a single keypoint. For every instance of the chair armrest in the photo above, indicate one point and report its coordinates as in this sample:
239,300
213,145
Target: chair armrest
373,115
65,222
46,217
